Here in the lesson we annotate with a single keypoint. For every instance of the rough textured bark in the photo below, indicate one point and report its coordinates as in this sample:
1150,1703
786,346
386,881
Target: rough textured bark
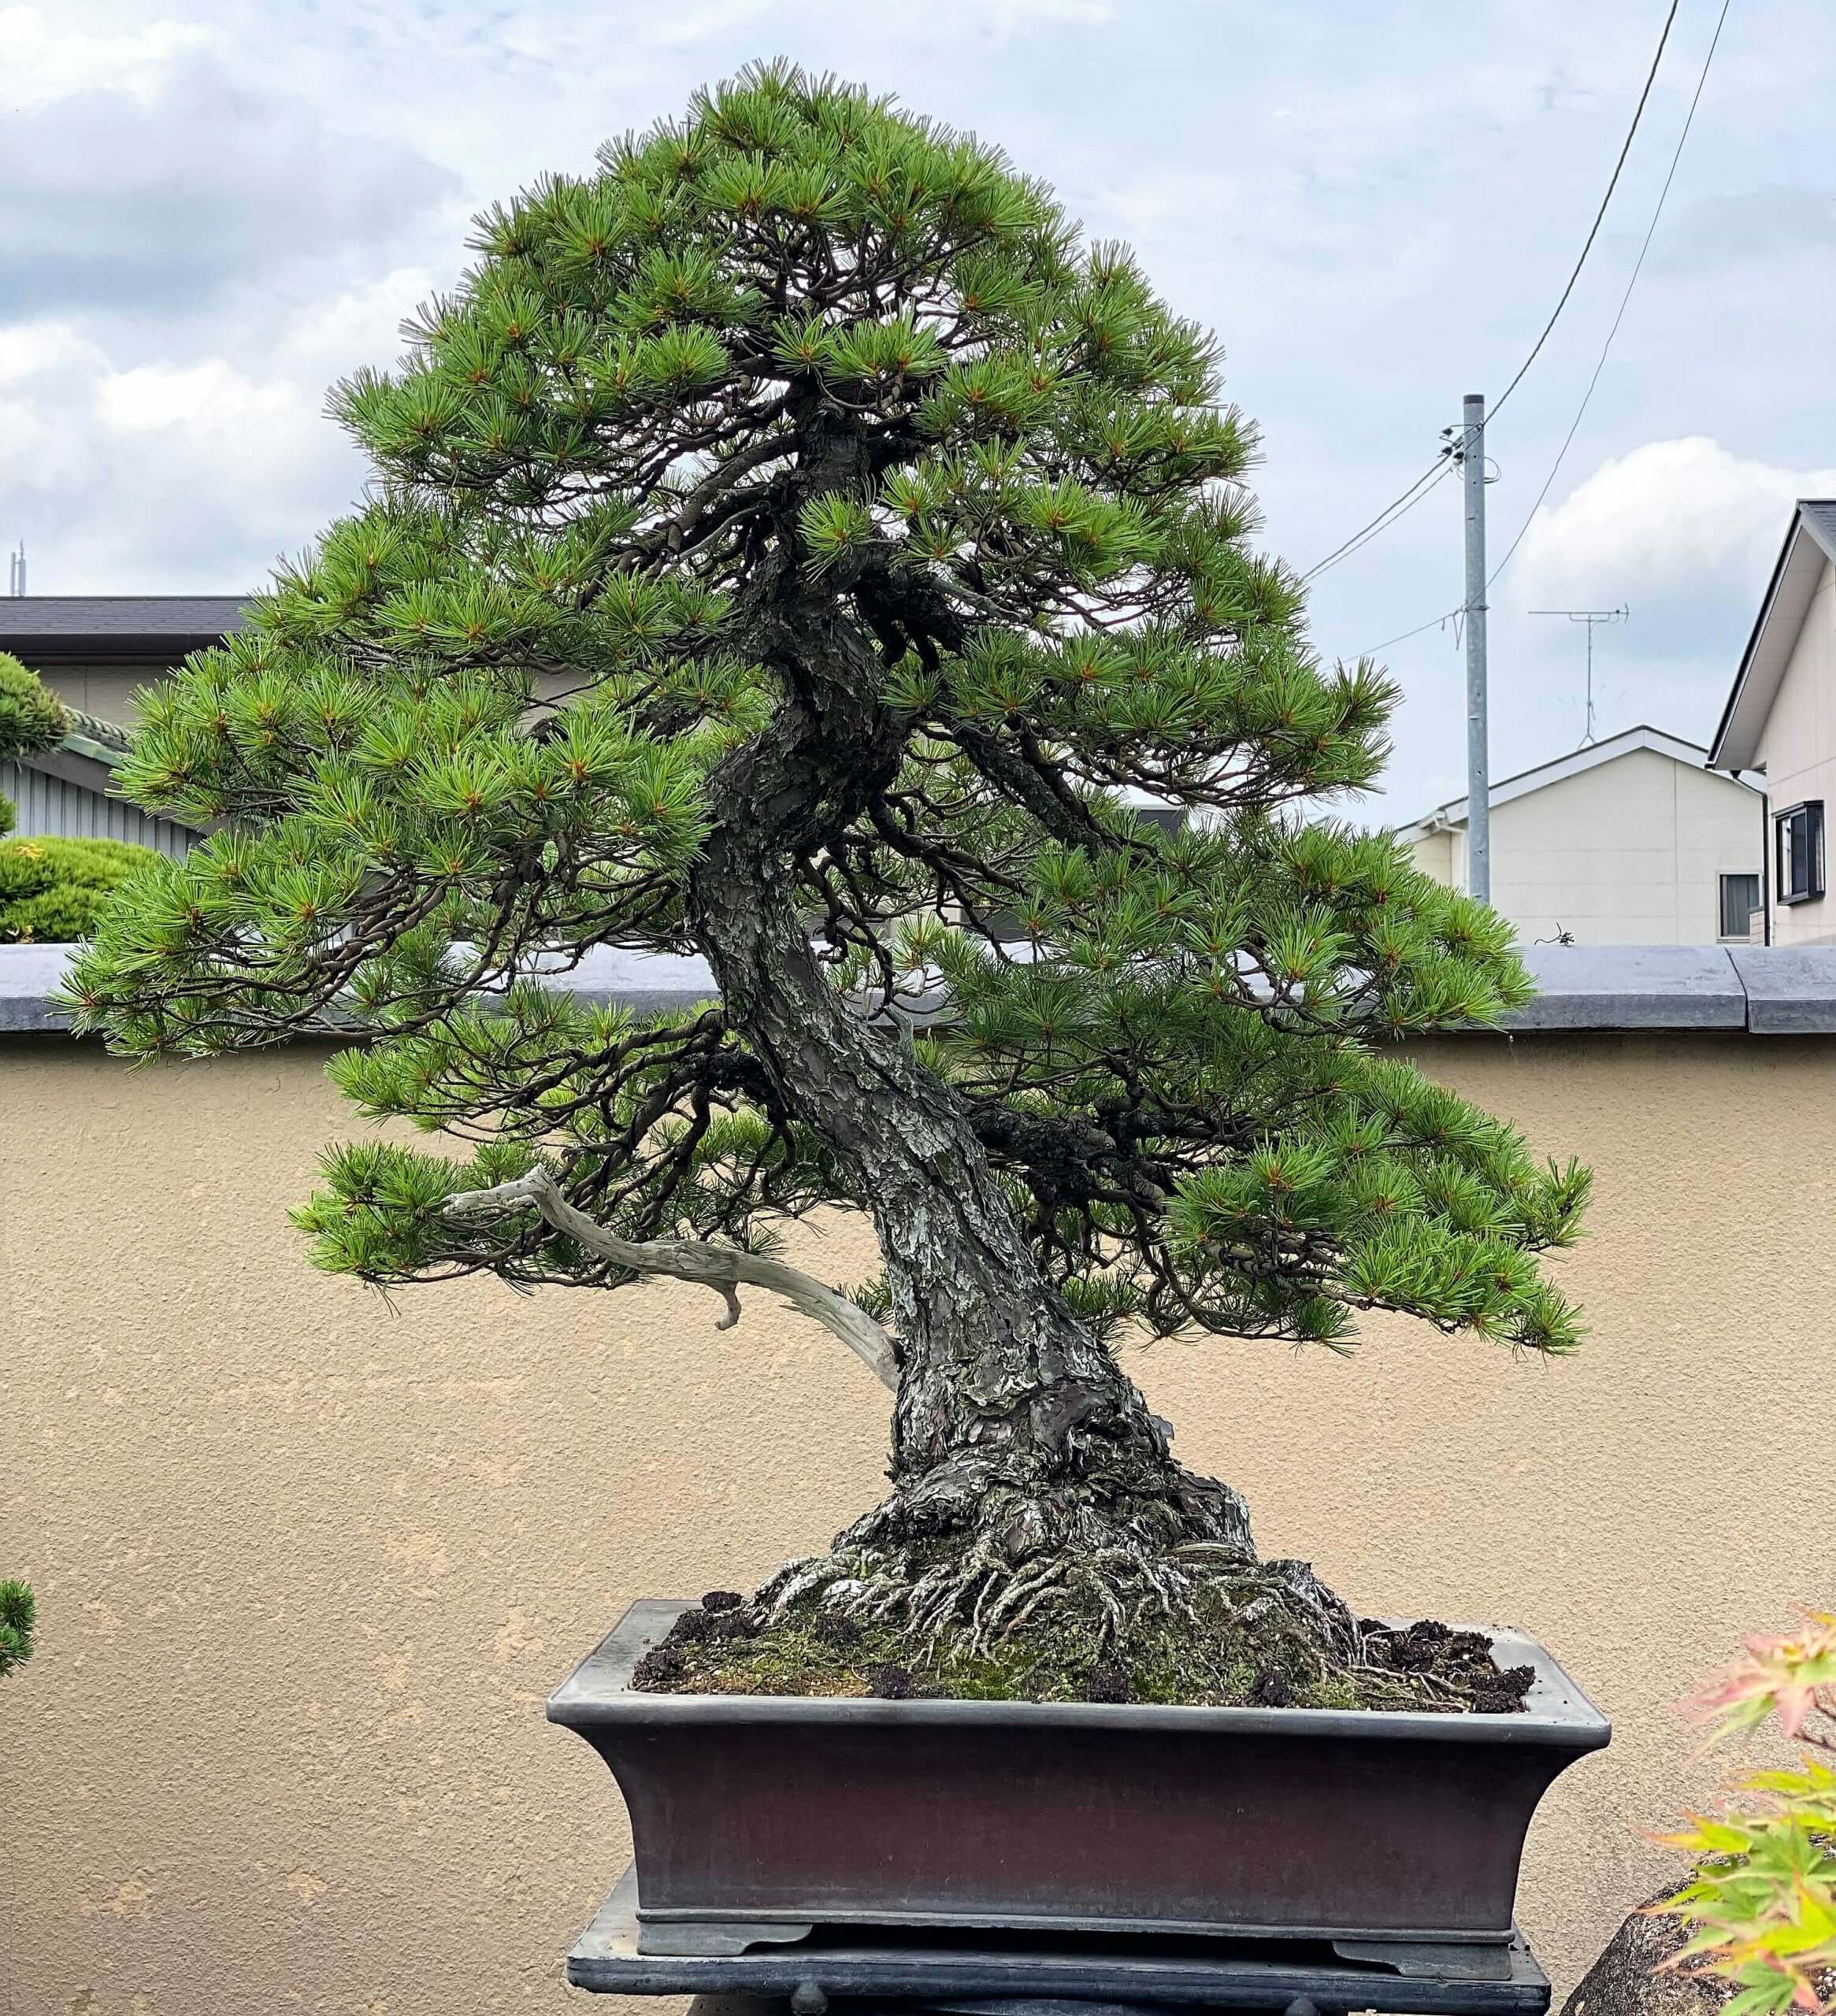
1008,1410
1010,1416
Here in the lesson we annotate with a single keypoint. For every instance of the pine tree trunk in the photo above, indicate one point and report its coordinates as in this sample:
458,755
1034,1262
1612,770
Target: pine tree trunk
1012,1419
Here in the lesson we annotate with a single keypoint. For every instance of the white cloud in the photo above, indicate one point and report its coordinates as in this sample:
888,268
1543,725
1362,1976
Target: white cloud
1672,516
145,174
360,324
1019,15
26,349
46,61
192,472
679,28
151,396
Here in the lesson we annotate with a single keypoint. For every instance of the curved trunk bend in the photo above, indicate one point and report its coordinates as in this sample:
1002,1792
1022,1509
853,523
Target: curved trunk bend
1011,1420
1012,1423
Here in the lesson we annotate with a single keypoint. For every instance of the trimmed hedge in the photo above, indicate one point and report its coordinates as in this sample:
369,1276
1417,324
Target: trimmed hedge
51,890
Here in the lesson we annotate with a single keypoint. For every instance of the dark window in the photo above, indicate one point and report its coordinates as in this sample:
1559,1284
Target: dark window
1740,898
1800,831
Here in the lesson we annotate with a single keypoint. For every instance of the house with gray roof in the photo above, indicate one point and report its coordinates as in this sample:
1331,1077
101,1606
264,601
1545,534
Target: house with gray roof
95,652
1629,841
1780,720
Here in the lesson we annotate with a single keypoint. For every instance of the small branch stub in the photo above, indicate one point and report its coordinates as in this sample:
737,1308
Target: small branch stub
724,1269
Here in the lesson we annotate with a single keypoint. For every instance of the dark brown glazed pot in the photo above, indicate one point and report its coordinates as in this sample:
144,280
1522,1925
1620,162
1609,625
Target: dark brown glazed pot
756,1818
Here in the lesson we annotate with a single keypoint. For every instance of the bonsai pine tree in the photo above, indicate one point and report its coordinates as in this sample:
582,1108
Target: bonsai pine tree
791,544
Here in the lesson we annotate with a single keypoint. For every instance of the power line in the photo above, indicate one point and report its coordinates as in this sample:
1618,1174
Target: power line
1624,300
1397,508
1599,217
1404,636
1387,516
1399,505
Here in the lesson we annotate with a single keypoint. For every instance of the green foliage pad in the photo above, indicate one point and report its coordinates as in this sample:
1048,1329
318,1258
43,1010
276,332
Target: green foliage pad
51,890
801,364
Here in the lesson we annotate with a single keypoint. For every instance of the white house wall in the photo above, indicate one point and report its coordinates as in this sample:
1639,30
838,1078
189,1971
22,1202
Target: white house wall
1797,750
1631,853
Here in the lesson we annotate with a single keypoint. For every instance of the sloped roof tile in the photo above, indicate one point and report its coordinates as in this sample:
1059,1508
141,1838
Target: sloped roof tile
126,629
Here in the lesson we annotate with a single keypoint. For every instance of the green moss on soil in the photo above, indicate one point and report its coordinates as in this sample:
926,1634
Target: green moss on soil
1212,1660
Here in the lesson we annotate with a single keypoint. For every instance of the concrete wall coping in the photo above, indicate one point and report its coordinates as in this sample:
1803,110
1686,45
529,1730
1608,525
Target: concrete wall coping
644,982
1757,990
1761,990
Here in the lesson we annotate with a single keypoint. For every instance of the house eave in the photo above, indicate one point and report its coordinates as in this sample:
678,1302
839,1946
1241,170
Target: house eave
46,652
75,761
50,630
1576,763
1782,609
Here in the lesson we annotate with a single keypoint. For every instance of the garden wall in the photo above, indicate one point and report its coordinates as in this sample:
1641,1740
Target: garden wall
309,1563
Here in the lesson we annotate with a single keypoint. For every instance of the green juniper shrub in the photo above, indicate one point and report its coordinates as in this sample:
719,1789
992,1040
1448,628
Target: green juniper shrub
52,891
31,716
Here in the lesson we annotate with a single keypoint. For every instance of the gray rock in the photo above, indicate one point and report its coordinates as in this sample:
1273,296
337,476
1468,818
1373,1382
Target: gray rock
1621,1982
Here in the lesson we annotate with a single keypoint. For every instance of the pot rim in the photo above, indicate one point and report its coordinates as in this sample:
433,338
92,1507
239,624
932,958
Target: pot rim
598,1695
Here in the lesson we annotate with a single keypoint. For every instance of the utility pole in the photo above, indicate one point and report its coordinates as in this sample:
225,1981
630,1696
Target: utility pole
1593,618
1472,449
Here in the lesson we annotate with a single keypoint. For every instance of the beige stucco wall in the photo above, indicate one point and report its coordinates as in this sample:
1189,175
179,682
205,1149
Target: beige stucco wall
309,1563
1797,750
1631,853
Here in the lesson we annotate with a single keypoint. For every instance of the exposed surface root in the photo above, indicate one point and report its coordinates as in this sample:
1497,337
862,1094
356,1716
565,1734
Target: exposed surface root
1200,1623
969,1600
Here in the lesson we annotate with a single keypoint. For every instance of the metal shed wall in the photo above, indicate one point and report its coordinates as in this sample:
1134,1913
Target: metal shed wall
51,808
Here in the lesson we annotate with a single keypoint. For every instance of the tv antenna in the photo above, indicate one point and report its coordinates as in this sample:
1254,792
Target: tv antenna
1593,618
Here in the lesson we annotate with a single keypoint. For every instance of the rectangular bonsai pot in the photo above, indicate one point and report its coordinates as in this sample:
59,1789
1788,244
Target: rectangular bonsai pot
756,1818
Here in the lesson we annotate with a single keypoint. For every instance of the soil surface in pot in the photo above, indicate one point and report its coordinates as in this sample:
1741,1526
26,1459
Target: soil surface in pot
730,1645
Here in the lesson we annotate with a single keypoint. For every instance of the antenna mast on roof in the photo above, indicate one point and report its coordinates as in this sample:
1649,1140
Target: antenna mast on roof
15,570
1590,617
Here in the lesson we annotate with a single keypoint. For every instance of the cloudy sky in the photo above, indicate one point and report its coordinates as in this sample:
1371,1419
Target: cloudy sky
214,207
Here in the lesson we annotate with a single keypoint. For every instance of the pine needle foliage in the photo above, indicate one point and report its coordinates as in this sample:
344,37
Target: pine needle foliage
18,1616
803,351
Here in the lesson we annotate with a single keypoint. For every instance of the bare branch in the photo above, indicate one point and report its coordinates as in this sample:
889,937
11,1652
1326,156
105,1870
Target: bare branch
724,1269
